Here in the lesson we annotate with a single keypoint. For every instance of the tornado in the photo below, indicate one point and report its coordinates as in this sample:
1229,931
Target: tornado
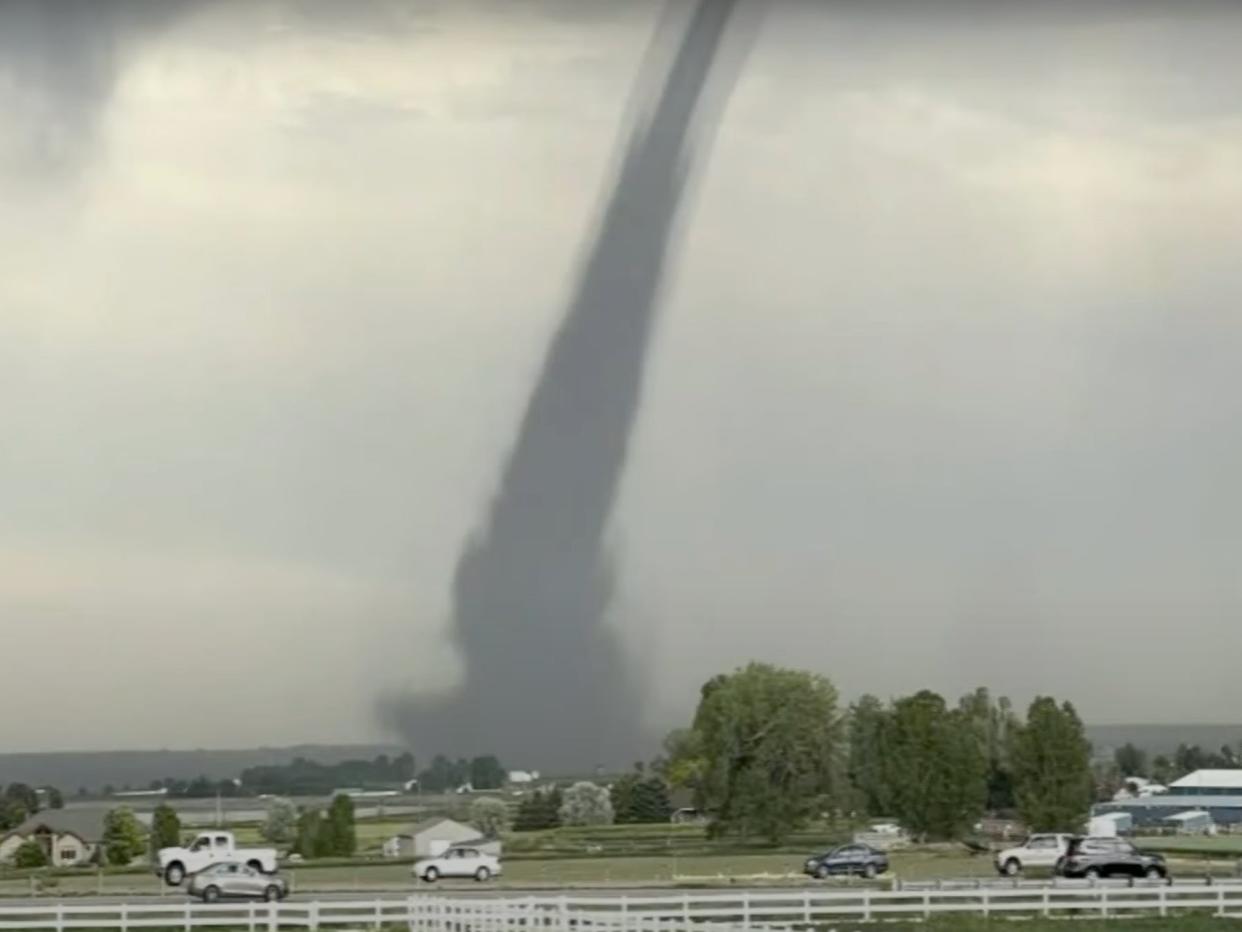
545,680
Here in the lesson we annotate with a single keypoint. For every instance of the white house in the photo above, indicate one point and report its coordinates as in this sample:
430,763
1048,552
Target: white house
432,837
68,836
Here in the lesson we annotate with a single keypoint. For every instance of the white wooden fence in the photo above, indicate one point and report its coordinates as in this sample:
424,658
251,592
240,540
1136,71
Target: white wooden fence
692,912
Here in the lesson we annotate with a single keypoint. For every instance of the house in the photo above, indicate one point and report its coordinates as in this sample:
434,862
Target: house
432,837
68,836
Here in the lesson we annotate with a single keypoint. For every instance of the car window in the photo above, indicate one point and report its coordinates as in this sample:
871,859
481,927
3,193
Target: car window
222,841
1042,844
200,844
469,853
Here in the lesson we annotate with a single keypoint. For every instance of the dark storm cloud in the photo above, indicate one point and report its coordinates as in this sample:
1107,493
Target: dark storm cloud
543,676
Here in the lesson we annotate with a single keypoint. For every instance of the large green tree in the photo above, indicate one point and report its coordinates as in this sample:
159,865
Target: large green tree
866,735
122,836
993,723
769,740
1052,768
934,767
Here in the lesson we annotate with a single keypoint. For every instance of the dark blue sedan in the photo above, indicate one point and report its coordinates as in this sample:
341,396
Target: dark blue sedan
862,860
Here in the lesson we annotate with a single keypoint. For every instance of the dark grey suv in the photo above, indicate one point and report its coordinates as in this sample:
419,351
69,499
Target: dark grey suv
862,860
1110,857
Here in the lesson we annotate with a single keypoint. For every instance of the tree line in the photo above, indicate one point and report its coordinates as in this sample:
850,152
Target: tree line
771,749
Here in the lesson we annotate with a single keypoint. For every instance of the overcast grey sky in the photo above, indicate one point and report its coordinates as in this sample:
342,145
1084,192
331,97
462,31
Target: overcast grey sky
946,388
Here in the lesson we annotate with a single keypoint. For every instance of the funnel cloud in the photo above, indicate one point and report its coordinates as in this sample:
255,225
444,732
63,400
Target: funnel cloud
543,674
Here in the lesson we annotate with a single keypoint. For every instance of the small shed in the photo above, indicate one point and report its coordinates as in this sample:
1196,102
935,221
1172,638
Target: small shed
1110,824
432,837
1191,822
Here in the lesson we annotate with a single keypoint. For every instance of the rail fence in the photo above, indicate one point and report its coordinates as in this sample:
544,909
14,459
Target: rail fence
691,912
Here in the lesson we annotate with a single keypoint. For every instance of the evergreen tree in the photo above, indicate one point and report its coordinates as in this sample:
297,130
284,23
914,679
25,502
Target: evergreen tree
280,827
1131,761
538,811
30,855
342,835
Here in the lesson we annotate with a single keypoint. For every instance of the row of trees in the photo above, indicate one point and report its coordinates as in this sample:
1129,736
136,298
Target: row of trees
769,749
304,777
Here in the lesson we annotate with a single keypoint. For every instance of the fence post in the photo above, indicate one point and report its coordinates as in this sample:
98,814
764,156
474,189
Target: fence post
189,922
250,916
866,905
1164,902
685,911
806,907
1103,901
1047,902
60,917
745,910
312,917
563,910
927,905
273,918
1220,895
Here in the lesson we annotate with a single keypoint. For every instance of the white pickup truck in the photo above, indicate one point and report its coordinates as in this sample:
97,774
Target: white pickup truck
212,848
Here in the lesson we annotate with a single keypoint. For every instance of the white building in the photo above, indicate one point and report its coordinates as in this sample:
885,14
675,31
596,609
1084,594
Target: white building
432,837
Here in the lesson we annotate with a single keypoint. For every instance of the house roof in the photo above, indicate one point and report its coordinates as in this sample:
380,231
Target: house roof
87,824
1211,779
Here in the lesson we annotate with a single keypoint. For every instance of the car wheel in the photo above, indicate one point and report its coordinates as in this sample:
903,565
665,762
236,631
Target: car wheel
869,872
822,872
211,894
431,875
1092,873
272,893
482,875
1155,873
174,874
1013,867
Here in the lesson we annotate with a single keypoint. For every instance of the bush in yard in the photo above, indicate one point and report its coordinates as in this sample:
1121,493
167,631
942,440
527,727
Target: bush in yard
490,816
586,803
281,825
30,855
122,836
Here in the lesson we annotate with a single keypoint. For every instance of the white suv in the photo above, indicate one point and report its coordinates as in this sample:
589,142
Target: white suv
1037,851
458,862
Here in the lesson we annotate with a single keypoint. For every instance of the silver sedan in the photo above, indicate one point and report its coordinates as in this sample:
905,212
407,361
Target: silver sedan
236,881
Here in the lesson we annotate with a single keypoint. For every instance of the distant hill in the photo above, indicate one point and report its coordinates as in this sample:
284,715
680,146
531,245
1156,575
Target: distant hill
1164,739
93,770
